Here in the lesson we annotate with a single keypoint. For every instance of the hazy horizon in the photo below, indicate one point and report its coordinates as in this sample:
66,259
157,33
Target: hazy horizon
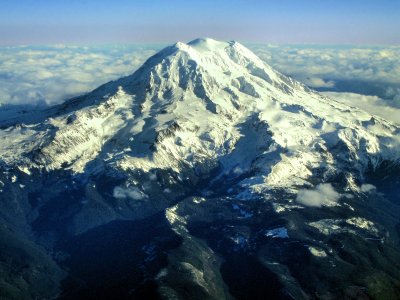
29,22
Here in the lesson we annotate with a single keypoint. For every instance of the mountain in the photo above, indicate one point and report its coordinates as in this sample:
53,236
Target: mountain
203,175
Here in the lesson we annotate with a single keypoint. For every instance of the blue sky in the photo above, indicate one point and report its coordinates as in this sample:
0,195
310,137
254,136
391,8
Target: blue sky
283,21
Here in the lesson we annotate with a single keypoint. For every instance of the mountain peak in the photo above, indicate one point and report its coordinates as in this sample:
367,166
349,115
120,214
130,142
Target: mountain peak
205,92
204,47
203,65
199,44
207,44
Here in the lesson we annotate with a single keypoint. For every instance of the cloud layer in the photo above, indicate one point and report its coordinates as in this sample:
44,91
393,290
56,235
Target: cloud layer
362,70
52,74
372,104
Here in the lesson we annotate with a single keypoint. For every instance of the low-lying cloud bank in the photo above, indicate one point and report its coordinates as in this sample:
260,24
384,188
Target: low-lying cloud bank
359,69
371,104
52,74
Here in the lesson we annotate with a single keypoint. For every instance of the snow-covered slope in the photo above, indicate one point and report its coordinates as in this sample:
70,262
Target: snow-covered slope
205,103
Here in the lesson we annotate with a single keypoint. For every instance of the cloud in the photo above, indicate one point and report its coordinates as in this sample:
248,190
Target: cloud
371,104
367,188
394,94
364,70
52,74
323,195
318,82
132,193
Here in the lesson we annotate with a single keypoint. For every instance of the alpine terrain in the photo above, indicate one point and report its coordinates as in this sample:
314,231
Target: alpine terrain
203,175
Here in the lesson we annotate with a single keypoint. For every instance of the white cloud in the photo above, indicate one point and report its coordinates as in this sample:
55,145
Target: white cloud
371,104
323,195
363,63
394,93
52,74
318,82
131,193
364,70
238,171
367,188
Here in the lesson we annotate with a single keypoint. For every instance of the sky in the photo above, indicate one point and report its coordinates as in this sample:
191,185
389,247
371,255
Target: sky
142,21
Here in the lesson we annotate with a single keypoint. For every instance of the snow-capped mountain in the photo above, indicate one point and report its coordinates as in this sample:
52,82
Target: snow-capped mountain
229,158
201,101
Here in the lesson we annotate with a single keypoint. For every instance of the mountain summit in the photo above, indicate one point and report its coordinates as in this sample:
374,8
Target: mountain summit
203,165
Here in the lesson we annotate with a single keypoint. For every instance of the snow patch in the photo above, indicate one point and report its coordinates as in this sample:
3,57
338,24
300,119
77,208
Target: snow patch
25,170
199,200
317,251
161,274
278,208
196,275
178,222
363,224
280,232
327,226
